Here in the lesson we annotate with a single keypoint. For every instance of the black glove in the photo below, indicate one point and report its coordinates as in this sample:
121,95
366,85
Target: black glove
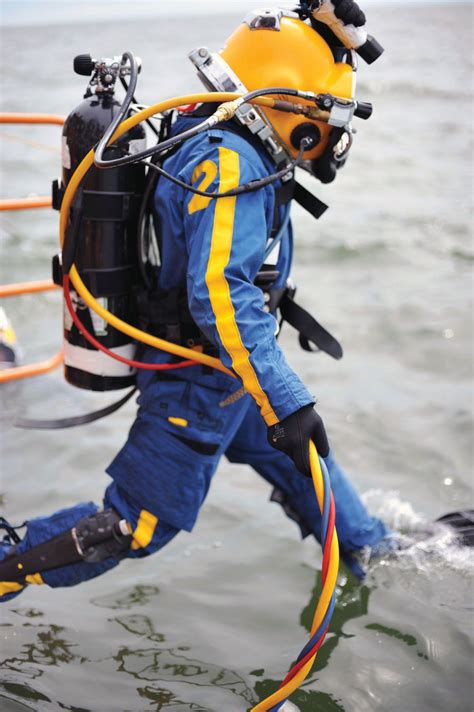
293,434
349,12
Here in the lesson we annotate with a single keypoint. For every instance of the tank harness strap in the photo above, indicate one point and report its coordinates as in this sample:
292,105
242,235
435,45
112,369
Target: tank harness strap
166,314
72,231
11,530
96,538
308,201
283,194
118,206
73,421
92,205
310,330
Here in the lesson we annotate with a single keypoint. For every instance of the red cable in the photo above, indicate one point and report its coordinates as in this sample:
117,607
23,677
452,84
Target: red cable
105,350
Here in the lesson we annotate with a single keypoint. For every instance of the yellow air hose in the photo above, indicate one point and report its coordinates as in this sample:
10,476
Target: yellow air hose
70,192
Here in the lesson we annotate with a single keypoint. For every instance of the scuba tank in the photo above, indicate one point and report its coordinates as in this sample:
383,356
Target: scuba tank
101,237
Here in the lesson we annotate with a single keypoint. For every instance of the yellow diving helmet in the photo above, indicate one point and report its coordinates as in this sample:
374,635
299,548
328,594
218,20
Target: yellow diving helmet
275,48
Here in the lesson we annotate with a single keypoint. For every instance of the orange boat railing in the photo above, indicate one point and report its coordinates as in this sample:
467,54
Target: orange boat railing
33,369
14,118
14,290
25,203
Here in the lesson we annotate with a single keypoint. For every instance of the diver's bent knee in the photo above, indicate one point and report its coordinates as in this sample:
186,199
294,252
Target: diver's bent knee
95,538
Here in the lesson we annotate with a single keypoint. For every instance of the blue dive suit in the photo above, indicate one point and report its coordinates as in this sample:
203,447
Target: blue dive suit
191,417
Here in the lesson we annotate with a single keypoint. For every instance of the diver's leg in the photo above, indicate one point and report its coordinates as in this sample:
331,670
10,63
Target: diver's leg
160,477
48,538
355,527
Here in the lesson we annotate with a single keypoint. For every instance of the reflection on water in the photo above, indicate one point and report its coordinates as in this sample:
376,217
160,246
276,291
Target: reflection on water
168,665
175,679
138,595
50,646
53,645
141,626
166,700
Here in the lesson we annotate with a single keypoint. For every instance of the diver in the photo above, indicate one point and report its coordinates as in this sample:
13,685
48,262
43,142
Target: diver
223,272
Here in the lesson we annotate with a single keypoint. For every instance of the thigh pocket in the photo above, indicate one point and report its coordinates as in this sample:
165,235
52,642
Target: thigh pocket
166,399
190,412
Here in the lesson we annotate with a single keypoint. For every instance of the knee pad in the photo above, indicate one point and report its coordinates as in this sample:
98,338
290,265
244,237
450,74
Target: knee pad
103,535
95,538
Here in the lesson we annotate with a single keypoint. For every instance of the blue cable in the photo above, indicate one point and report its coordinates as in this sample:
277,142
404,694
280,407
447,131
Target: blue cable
326,502
325,622
278,237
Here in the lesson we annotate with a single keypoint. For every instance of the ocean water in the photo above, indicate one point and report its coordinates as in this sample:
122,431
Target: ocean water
213,622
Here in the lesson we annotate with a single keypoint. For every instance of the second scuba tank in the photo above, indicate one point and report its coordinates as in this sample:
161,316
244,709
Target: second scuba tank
101,238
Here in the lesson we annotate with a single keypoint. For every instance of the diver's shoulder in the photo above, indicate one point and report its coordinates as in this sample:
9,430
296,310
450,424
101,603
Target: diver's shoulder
237,142
209,144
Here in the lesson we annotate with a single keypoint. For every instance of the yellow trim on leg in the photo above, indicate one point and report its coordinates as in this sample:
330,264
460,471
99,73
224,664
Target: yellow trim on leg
34,578
146,526
9,587
219,290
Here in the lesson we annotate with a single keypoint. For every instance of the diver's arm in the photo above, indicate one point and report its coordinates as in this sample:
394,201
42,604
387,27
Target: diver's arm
226,240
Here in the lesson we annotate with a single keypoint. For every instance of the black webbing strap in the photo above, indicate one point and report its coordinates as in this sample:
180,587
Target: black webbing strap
57,424
72,232
284,193
100,204
309,329
308,201
110,282
11,530
60,551
109,205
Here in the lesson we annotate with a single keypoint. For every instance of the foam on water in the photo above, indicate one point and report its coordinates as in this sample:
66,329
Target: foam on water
426,546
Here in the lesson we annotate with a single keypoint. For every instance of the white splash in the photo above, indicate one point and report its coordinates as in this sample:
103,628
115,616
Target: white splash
422,545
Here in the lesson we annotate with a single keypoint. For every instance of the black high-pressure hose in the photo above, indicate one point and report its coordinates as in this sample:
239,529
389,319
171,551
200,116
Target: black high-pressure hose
249,187
122,114
174,140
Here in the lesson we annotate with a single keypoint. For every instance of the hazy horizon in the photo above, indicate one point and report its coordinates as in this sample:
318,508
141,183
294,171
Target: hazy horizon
56,12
